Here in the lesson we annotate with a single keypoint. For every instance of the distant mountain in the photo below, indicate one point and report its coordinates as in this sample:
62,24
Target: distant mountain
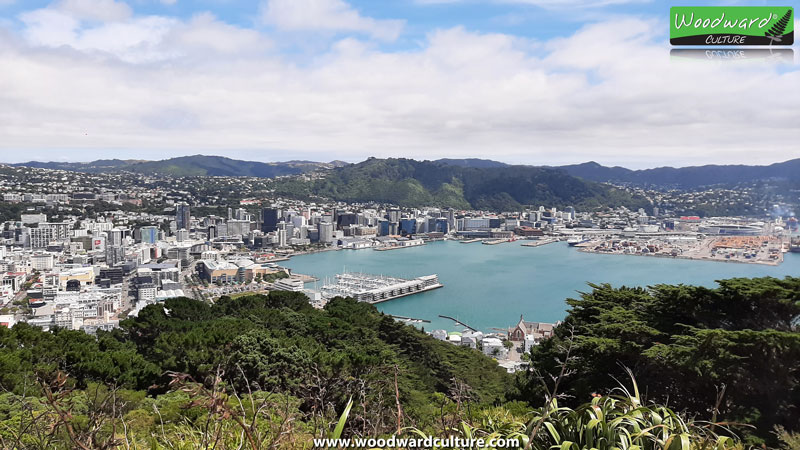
99,166
408,182
471,162
687,177
197,165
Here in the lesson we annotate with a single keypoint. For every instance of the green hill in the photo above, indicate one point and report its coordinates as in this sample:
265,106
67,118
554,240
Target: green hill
408,182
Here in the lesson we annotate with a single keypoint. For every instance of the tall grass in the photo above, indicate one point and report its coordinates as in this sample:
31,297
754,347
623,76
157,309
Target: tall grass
614,422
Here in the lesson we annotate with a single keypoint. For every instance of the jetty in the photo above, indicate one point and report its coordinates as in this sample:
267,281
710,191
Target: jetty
470,241
458,322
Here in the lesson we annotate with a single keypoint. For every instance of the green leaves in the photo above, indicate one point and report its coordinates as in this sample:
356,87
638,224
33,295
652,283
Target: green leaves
686,343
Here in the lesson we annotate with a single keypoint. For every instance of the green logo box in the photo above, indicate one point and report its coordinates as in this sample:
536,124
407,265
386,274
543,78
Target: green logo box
731,25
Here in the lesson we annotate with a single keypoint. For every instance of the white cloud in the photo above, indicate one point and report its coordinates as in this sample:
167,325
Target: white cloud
132,40
327,16
142,39
97,10
609,92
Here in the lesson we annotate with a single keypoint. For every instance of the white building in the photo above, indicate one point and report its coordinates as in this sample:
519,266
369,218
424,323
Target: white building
42,261
494,347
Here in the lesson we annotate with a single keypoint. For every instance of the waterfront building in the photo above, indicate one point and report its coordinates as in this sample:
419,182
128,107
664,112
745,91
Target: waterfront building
408,226
222,272
289,284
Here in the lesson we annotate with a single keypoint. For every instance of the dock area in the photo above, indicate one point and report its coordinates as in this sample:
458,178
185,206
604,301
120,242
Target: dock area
766,250
539,242
470,241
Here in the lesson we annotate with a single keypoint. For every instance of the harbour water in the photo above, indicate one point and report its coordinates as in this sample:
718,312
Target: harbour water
489,286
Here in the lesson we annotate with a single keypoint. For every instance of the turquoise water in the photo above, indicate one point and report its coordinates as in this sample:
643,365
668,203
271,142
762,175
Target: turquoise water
489,286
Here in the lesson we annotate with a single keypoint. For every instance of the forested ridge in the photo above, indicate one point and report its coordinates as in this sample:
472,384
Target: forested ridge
272,372
407,182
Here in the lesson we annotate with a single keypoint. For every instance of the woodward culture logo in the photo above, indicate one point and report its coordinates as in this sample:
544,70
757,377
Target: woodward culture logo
731,25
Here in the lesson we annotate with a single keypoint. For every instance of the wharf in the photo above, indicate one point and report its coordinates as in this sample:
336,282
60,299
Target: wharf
470,241
396,247
496,241
539,243
305,278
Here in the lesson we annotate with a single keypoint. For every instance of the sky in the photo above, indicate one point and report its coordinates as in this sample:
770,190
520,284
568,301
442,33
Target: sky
543,82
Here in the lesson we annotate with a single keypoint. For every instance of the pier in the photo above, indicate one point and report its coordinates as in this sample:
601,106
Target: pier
470,241
458,322
539,242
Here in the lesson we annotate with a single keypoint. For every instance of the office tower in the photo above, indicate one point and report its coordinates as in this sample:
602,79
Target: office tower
148,235
269,219
182,216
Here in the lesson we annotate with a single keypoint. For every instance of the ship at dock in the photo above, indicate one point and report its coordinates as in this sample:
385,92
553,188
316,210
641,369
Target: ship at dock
576,240
794,245
377,288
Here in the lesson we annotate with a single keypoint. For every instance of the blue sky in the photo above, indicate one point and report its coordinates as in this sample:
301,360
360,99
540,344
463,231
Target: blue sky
528,81
421,16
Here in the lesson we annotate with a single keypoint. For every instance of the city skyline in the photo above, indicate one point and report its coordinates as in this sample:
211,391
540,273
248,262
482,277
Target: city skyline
533,82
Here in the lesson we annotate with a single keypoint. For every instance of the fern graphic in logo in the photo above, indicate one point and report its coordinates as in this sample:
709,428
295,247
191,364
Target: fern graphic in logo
775,34
731,25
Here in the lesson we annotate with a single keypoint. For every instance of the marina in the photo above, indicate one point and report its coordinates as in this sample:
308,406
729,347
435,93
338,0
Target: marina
377,288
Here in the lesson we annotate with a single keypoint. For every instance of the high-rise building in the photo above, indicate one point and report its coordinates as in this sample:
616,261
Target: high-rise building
326,232
115,237
182,235
408,226
345,220
182,216
149,235
269,219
